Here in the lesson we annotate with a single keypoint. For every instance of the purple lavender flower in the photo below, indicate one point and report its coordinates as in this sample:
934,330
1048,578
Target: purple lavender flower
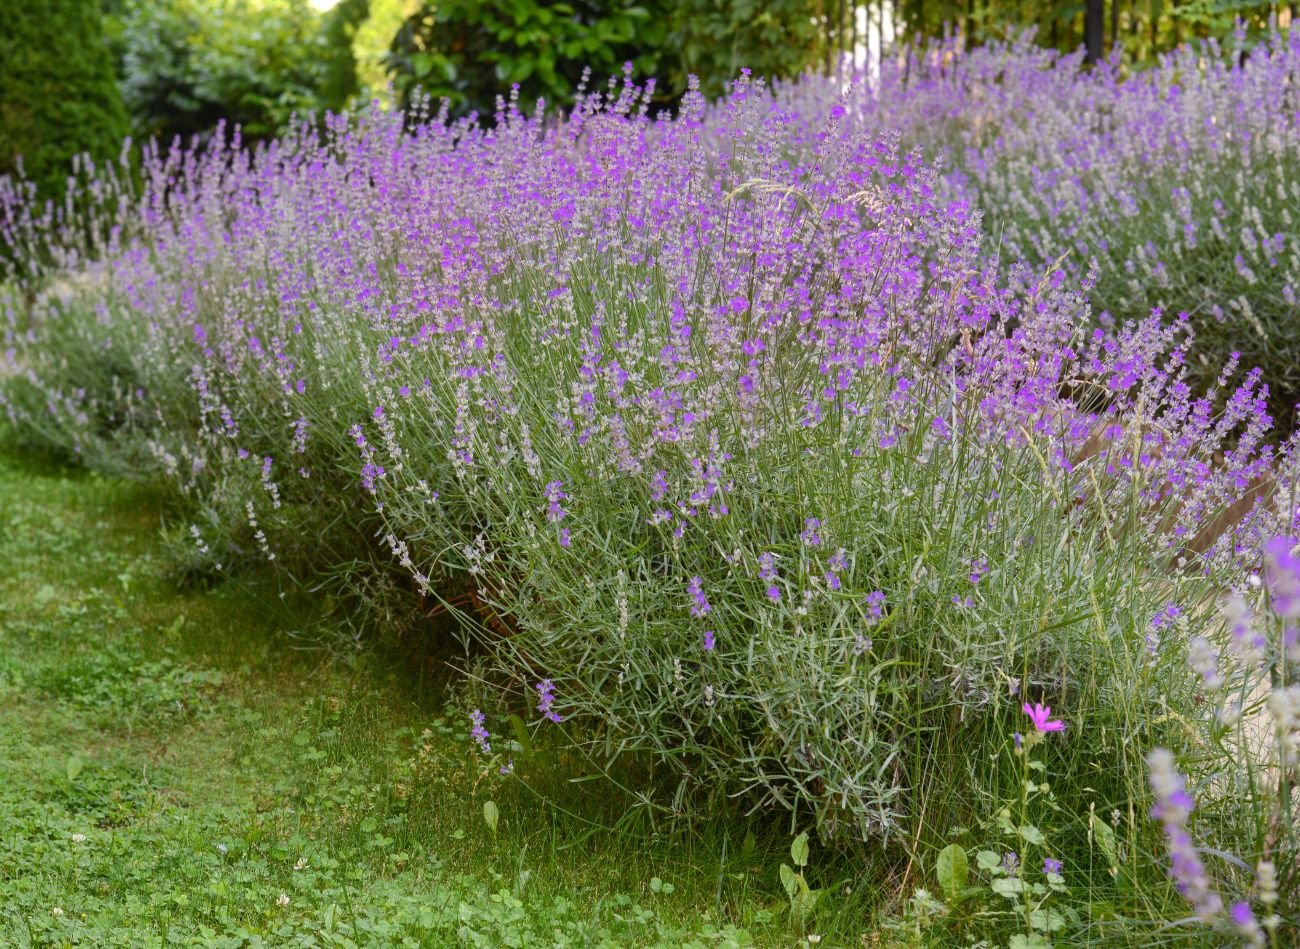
767,571
1172,808
1166,616
701,605
1204,661
479,732
1051,866
1247,641
546,699
554,495
1243,920
708,640
1282,573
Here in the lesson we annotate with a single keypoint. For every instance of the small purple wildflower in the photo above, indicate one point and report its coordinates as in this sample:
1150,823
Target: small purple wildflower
708,640
1011,861
1051,866
809,534
875,603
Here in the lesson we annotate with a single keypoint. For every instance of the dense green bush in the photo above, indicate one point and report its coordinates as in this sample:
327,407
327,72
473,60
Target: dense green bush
58,97
187,64
470,51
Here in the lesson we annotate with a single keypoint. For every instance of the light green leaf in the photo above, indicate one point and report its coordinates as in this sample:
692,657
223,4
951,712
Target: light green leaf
490,815
789,880
1032,834
988,860
74,766
1105,837
952,869
1034,941
521,734
1046,920
1008,886
799,850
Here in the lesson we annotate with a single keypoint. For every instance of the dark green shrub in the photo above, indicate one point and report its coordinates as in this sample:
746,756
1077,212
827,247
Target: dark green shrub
58,96
187,64
471,51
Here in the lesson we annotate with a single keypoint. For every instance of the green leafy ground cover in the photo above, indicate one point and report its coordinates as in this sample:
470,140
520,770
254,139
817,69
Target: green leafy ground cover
172,773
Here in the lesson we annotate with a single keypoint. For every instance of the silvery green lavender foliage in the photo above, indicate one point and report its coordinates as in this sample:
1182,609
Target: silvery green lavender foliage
1180,182
763,471
1250,711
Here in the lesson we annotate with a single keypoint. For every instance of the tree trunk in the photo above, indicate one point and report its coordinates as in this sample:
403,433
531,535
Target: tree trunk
1094,29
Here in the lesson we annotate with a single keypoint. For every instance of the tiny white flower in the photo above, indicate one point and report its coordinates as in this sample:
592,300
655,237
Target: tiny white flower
282,900
57,911
78,838
301,864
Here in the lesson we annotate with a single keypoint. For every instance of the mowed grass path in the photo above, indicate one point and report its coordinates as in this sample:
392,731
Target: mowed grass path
195,767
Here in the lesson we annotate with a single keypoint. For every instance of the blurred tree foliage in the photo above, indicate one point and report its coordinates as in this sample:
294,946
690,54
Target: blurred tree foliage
57,93
1141,29
715,39
470,51
186,64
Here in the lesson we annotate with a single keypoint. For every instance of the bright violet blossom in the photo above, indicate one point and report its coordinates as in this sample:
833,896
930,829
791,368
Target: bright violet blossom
1040,715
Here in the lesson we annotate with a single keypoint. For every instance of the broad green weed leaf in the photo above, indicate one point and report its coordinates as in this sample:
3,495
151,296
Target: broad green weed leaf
952,869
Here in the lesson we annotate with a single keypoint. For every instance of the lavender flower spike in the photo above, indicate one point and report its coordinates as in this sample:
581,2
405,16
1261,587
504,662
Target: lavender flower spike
479,732
1173,807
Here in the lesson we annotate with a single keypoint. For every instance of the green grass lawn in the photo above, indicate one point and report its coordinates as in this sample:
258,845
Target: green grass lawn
204,767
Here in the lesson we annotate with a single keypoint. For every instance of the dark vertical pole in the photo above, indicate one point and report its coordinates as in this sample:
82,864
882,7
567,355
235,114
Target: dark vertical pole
1094,26
853,32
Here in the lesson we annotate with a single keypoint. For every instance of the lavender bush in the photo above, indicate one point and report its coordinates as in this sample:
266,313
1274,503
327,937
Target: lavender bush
756,466
1179,183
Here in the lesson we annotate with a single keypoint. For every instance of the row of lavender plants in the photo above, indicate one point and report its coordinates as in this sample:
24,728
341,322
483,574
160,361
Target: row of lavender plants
757,465
1180,184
